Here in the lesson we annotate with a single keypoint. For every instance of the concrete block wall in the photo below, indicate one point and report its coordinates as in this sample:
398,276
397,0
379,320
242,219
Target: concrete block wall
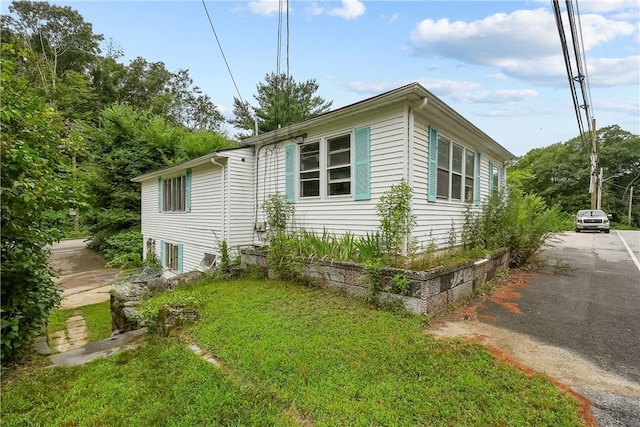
430,292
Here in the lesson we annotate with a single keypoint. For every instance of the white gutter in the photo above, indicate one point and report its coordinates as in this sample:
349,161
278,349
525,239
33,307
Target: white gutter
224,199
409,157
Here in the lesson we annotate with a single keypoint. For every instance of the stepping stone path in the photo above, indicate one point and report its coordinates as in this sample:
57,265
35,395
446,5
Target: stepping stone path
74,336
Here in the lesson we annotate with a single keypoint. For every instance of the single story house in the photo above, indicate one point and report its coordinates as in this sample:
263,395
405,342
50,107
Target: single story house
334,167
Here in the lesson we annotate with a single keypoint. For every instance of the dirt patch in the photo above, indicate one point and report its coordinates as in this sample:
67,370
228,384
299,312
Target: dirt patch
508,293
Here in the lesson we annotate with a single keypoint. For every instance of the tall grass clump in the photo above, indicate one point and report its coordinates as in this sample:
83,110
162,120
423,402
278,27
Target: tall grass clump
519,222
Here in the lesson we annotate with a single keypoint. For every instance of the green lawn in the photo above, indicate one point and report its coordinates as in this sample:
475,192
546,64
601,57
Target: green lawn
159,384
337,361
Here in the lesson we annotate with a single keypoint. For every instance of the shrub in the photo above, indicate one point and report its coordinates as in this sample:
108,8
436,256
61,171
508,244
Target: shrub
279,213
396,219
518,222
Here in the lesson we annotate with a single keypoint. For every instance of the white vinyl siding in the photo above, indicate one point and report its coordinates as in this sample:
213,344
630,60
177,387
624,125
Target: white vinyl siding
208,223
434,219
339,213
241,199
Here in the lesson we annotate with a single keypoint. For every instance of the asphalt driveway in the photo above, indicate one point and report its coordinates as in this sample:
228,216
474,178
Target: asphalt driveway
586,299
576,318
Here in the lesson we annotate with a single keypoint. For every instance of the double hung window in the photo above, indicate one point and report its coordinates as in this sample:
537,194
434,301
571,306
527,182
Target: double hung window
174,192
310,169
495,180
444,145
326,164
456,171
339,165
171,255
469,172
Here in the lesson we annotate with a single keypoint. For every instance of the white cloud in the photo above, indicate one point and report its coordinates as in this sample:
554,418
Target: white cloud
267,7
614,71
608,5
628,107
314,9
504,112
498,76
496,96
524,44
457,90
224,110
351,9
523,33
394,17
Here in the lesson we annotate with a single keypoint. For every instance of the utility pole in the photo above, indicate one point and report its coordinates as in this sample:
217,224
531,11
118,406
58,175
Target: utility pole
630,200
599,185
594,188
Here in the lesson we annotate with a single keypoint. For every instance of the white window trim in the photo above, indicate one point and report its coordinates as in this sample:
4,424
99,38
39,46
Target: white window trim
462,174
171,260
324,168
183,194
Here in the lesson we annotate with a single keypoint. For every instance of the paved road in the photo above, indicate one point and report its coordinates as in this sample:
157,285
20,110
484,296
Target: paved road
586,300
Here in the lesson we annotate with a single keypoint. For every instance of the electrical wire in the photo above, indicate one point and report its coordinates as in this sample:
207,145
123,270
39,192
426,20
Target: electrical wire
222,51
584,55
567,62
577,51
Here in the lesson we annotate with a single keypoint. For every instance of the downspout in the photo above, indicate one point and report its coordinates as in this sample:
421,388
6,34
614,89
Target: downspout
224,199
410,148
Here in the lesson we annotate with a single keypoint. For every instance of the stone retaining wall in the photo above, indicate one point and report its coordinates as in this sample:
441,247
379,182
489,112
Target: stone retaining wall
127,296
429,292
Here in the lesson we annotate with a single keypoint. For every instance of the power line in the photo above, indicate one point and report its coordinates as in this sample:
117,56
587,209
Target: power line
586,73
580,78
567,63
222,51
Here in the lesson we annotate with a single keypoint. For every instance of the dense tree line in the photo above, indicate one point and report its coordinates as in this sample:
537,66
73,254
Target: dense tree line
76,125
560,173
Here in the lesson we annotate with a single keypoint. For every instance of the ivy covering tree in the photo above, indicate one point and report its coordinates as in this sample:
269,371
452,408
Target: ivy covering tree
36,180
281,101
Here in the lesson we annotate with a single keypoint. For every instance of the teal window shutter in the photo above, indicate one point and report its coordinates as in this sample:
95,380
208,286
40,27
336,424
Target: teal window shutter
159,194
432,182
490,177
162,261
289,173
362,148
180,257
478,179
187,193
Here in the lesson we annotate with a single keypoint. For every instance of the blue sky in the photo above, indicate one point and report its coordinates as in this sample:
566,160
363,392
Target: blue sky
498,63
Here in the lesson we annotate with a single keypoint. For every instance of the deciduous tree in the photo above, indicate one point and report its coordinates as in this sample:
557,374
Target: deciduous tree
36,180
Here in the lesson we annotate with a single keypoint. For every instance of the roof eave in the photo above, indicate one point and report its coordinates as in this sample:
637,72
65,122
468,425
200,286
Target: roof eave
203,160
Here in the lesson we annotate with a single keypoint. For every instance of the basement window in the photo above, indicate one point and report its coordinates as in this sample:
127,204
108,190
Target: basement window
208,261
171,255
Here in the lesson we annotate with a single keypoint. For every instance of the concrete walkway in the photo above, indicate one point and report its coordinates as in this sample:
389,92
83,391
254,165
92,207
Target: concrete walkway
84,281
93,350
